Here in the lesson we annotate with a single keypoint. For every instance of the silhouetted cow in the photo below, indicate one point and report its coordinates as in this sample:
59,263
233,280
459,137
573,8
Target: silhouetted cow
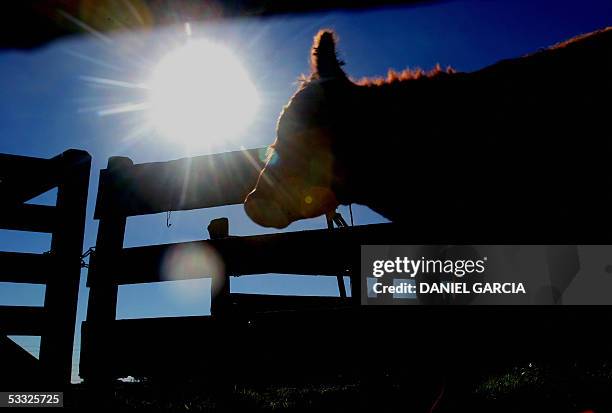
523,139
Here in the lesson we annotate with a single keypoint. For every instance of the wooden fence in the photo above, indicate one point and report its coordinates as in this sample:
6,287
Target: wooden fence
259,336
21,179
207,181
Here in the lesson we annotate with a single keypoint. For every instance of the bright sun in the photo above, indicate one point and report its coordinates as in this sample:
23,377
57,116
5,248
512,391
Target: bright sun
201,95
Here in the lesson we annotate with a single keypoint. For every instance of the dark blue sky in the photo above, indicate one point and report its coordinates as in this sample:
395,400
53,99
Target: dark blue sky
48,106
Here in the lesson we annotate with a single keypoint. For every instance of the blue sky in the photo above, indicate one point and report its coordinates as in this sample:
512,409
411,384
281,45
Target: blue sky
48,106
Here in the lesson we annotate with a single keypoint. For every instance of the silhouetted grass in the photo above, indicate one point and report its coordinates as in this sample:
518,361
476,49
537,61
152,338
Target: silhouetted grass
534,387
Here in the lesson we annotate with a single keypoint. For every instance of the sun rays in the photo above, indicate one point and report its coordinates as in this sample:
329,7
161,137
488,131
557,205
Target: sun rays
200,92
195,93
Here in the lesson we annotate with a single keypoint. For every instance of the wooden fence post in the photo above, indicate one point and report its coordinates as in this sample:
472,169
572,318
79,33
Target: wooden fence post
220,287
96,365
355,275
62,288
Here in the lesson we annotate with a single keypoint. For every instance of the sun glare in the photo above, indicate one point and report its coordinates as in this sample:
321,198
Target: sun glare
201,95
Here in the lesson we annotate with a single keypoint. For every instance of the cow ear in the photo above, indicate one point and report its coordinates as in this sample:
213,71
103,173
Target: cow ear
323,59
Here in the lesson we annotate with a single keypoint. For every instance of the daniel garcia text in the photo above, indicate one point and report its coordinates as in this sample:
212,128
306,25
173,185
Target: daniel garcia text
403,266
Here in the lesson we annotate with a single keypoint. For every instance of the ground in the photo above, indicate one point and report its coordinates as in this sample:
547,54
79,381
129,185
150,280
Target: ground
571,386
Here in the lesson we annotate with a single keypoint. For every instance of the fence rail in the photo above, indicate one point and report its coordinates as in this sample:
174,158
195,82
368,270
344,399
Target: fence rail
22,320
190,183
329,253
23,267
22,179
26,217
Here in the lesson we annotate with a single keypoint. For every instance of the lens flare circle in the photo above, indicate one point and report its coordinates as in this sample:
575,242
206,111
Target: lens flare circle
189,261
201,94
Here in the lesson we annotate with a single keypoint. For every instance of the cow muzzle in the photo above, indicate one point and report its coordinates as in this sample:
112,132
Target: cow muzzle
266,212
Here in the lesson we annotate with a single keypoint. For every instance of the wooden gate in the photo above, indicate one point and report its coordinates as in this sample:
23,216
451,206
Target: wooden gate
207,181
21,179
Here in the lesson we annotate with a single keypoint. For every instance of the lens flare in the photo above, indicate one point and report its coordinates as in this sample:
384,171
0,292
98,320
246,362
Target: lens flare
195,260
